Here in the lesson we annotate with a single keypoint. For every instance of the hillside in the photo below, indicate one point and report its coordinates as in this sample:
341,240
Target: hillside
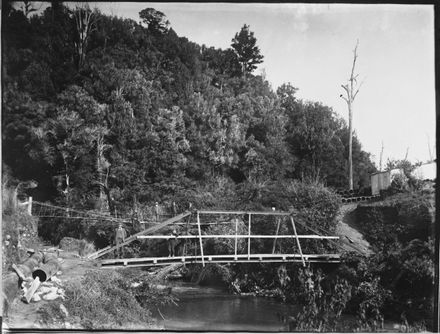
142,115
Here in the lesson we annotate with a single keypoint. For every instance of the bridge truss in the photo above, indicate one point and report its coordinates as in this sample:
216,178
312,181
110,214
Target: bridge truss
200,255
208,218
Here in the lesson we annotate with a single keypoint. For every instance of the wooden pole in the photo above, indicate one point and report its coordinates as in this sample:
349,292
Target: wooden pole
187,231
200,238
297,242
249,237
236,232
276,235
30,206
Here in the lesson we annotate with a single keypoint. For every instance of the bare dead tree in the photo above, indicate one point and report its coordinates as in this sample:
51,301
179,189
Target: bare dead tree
85,22
381,156
351,89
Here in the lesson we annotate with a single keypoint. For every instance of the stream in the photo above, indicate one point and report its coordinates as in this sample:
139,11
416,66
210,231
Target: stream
215,309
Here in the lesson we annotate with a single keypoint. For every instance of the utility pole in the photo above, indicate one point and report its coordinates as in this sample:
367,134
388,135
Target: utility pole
351,89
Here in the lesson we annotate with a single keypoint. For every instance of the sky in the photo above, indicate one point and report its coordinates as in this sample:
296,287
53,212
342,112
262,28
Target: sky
311,46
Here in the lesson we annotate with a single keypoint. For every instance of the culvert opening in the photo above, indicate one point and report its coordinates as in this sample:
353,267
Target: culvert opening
40,274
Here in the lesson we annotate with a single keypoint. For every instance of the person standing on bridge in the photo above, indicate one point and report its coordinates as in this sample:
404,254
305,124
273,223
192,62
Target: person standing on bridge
121,234
172,242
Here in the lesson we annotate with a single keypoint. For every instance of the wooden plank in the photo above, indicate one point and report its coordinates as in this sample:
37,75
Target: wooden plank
34,286
143,265
229,256
19,272
139,262
240,236
134,236
297,241
200,238
262,213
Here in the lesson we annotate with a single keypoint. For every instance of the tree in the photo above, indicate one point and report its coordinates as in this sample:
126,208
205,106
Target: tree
28,8
244,44
155,20
63,139
85,23
351,89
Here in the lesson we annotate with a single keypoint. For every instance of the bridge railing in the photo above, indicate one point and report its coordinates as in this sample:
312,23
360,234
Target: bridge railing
249,236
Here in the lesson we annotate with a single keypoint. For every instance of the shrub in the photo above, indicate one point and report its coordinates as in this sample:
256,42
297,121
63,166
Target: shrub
226,245
396,282
218,193
401,218
371,297
214,274
311,204
323,300
18,227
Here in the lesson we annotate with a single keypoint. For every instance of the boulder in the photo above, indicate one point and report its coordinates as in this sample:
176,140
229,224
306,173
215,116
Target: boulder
82,247
70,244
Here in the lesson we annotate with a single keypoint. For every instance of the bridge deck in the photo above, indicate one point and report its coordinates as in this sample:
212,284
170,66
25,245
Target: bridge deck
239,258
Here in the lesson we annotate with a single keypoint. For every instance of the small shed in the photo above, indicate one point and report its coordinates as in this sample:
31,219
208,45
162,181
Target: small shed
379,181
382,180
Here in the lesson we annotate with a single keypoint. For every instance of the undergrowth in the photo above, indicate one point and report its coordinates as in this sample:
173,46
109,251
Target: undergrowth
108,299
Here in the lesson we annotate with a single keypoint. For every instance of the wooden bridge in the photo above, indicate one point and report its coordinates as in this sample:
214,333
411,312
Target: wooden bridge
200,255
203,218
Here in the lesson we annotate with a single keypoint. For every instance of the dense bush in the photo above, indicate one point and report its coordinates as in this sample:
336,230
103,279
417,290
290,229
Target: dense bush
136,116
396,283
226,245
399,218
322,303
311,204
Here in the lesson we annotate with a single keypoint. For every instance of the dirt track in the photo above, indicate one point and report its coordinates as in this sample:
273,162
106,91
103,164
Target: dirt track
346,228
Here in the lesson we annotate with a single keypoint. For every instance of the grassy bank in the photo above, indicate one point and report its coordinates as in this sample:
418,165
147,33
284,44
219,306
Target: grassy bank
105,299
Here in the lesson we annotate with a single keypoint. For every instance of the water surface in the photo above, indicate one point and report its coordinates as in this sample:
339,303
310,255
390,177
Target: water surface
214,309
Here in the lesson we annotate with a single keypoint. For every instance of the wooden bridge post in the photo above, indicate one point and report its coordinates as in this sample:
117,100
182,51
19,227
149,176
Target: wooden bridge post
236,232
200,238
276,234
249,238
297,241
29,206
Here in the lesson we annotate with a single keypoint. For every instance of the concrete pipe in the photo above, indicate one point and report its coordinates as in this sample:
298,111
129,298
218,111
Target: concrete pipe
48,269
31,263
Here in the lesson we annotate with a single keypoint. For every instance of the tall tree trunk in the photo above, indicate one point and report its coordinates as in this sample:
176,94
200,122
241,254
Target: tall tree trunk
351,90
350,148
85,24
